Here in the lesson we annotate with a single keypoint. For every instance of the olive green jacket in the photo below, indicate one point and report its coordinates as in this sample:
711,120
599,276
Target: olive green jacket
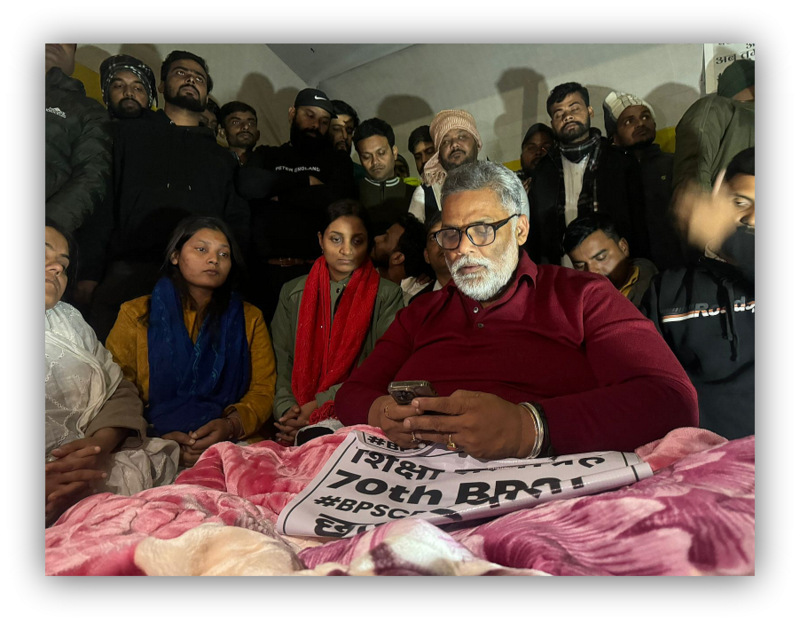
284,329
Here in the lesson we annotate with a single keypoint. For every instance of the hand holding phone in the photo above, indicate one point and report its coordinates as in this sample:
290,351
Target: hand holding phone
404,392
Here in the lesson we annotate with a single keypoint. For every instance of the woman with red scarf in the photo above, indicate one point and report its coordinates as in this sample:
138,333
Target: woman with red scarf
327,322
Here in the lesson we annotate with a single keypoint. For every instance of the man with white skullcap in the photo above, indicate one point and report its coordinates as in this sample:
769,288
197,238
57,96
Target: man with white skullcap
631,125
457,141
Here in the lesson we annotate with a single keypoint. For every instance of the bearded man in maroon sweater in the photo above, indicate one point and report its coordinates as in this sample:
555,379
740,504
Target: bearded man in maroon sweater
526,360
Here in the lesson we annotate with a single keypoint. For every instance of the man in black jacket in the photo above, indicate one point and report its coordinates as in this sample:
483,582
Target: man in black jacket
77,143
631,126
706,312
385,195
166,167
582,173
289,188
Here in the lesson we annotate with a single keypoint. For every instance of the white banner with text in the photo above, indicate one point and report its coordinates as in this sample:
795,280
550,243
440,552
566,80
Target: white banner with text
369,481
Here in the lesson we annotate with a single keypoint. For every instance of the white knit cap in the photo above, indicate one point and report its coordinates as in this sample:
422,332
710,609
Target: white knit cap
617,102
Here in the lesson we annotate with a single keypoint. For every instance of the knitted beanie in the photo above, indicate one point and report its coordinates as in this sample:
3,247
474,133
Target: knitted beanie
123,62
614,105
737,76
442,123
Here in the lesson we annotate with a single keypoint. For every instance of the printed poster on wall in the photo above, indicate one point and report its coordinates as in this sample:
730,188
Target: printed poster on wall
370,481
717,56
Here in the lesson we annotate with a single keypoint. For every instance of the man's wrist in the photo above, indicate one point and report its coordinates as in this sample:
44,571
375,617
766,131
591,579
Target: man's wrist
540,442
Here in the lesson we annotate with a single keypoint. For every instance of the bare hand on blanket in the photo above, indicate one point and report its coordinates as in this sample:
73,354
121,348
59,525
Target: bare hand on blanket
70,479
292,420
389,416
480,424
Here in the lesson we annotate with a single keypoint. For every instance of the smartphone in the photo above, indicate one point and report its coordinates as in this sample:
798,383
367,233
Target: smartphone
404,392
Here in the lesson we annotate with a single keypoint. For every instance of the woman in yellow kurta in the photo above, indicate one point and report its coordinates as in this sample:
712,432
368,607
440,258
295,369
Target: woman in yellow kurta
201,357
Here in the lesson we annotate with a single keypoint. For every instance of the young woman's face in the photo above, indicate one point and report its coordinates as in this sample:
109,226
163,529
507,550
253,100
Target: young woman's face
56,262
204,260
344,245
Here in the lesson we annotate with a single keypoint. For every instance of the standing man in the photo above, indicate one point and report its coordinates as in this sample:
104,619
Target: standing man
129,89
289,188
421,146
385,196
538,140
344,122
128,86
631,126
77,143
717,127
457,142
582,173
166,167
239,128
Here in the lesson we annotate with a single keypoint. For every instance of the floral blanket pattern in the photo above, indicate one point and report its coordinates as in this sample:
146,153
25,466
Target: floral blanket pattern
694,516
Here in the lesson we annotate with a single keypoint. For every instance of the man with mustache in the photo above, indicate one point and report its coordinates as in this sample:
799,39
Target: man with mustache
582,173
239,128
457,141
128,86
289,186
166,166
526,360
631,125
385,196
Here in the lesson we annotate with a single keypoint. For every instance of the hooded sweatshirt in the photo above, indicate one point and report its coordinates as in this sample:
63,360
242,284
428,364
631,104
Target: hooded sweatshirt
706,314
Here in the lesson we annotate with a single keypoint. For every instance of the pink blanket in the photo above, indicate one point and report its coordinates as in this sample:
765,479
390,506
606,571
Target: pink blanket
694,516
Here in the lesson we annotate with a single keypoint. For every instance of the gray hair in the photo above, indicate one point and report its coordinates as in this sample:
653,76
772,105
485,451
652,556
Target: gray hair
483,174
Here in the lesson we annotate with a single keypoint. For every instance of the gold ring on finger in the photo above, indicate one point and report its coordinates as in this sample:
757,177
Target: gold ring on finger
450,444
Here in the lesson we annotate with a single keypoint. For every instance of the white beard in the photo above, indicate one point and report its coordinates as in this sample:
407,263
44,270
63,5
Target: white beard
485,285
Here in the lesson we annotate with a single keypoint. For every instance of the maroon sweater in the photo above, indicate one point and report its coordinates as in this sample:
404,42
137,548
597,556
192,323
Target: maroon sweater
560,337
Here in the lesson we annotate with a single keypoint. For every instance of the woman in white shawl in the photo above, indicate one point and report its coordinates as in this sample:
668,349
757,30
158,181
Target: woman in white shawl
94,429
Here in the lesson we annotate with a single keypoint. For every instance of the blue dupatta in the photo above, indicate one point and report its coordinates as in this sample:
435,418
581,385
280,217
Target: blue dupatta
192,383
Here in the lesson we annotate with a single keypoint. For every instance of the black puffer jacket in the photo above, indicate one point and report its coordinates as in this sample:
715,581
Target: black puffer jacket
77,151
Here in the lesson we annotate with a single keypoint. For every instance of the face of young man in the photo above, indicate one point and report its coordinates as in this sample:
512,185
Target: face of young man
602,255
377,157
311,121
127,95
423,151
186,85
482,273
635,127
458,147
386,244
571,119
741,192
240,130
434,255
534,149
340,132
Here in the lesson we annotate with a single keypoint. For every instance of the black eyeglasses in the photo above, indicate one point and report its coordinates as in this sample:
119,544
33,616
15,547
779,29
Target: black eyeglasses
479,234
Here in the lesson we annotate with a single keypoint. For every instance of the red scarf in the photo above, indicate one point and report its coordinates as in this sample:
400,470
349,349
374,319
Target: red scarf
324,355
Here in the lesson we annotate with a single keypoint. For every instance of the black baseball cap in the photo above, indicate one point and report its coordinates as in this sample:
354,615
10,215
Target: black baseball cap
314,97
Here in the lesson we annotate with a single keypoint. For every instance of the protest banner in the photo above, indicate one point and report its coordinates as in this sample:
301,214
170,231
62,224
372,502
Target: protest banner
369,481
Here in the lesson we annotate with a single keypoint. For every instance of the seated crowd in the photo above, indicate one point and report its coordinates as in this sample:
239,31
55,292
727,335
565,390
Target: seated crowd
235,292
